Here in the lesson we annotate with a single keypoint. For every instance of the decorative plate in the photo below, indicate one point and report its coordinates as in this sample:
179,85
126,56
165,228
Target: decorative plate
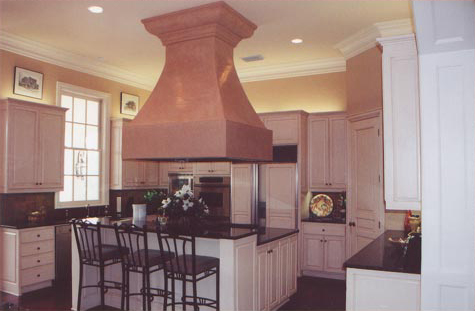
321,205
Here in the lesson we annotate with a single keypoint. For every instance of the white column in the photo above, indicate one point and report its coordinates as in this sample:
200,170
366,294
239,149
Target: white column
445,38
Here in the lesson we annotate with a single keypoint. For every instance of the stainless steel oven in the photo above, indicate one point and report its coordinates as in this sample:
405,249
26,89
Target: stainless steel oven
177,180
216,192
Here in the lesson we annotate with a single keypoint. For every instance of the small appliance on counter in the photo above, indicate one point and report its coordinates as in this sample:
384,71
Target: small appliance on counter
329,207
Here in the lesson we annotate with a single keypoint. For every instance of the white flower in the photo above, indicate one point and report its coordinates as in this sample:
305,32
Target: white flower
187,204
206,210
166,202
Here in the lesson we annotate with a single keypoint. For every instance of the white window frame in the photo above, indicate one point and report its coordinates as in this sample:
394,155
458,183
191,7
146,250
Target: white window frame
104,144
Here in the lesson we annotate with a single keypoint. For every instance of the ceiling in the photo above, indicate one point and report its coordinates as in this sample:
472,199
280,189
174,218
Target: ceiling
116,39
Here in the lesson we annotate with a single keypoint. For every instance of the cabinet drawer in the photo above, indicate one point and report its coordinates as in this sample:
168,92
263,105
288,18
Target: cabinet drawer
37,274
37,260
27,249
326,229
37,235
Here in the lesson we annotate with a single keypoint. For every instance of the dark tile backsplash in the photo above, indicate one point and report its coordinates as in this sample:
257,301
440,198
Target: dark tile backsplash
14,208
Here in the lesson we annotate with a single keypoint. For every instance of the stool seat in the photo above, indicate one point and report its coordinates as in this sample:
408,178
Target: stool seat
202,264
137,258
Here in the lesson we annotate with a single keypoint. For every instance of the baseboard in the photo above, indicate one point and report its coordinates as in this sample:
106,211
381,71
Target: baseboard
326,275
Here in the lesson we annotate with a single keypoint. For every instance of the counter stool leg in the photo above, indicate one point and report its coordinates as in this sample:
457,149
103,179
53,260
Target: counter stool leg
183,296
149,296
195,294
122,289
101,277
165,298
127,296
80,288
217,287
173,293
144,291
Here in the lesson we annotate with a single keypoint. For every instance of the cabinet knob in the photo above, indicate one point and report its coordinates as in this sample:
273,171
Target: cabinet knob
321,240
38,275
38,248
38,261
38,235
323,229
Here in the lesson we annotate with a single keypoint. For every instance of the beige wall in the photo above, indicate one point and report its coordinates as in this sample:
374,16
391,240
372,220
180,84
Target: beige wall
317,93
364,82
53,74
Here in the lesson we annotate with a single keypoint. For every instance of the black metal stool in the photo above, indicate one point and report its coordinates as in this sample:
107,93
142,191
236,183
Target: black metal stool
186,266
92,252
138,258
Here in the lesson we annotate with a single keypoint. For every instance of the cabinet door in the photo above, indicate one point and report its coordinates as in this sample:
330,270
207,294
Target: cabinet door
337,140
334,251
151,174
22,148
313,252
262,279
221,168
285,129
273,275
285,267
241,191
280,195
9,265
318,161
163,167
203,168
51,150
180,167
293,266
132,172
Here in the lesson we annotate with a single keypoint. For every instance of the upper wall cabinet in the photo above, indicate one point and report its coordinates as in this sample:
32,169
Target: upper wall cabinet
327,151
212,168
285,128
129,174
402,181
31,147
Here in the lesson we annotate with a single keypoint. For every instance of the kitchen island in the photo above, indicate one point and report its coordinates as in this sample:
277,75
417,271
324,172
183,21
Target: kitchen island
242,281
383,276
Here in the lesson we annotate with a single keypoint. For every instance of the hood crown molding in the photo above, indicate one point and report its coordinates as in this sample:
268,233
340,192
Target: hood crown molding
366,38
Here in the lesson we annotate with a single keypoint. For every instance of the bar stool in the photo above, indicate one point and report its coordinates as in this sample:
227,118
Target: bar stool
92,252
186,266
138,258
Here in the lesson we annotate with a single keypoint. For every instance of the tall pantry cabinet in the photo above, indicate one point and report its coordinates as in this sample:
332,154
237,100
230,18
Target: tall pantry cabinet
31,147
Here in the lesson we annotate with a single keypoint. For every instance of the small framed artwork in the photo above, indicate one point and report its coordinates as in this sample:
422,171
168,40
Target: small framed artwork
28,83
129,104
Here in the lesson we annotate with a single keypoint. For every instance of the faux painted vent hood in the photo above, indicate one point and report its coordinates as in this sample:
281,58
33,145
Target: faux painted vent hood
198,110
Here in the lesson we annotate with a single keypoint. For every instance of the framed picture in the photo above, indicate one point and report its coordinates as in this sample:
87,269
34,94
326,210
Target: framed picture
129,104
28,83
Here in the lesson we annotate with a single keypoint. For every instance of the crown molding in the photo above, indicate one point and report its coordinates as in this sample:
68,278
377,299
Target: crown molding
295,69
66,59
366,38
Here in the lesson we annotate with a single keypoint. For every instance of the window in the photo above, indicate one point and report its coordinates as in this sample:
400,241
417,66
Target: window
86,151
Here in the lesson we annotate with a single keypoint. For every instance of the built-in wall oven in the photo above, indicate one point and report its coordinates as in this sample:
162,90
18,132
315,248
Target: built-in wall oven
177,180
216,192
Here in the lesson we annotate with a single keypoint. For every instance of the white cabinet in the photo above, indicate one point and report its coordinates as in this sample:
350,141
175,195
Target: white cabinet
402,173
241,193
284,127
27,259
276,276
129,174
212,168
381,290
31,147
327,151
280,195
323,247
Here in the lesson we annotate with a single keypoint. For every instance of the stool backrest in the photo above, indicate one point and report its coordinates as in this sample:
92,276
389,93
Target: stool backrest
133,244
88,240
182,247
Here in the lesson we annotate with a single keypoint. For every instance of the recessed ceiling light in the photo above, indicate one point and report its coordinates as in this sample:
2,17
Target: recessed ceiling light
95,9
296,40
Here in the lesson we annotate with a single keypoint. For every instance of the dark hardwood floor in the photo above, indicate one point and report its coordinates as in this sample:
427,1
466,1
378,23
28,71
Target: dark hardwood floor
317,294
312,294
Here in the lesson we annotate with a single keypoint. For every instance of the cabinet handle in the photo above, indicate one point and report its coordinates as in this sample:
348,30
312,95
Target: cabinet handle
41,183
38,248
38,275
324,241
38,261
321,240
330,184
38,235
323,230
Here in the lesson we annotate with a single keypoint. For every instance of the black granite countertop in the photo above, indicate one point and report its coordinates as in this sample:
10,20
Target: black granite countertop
26,225
383,255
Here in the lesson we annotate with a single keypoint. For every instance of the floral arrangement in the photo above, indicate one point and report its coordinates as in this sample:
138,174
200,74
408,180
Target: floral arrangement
183,204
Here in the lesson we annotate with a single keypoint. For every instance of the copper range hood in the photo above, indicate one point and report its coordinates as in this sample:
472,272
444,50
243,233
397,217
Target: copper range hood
198,110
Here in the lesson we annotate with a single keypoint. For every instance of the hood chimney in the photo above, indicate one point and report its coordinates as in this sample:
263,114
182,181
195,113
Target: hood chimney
198,110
